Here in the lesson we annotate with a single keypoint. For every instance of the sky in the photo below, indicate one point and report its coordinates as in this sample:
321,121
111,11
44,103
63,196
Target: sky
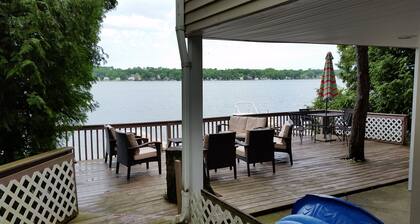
141,33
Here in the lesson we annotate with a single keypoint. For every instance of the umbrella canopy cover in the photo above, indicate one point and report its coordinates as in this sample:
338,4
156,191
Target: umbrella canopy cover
328,89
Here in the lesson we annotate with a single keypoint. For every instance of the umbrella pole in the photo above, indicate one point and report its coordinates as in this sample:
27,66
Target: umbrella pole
325,119
326,106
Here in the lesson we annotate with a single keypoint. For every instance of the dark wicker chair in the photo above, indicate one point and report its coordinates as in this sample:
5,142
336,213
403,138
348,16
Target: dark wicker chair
130,153
220,151
343,128
111,143
257,148
285,141
111,147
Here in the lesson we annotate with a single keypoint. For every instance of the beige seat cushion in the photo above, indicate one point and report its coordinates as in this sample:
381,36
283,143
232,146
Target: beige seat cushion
255,122
240,151
280,145
145,152
113,133
237,123
241,135
285,130
132,139
206,142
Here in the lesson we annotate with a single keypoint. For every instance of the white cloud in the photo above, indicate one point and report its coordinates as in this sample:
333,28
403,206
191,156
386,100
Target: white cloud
132,22
142,33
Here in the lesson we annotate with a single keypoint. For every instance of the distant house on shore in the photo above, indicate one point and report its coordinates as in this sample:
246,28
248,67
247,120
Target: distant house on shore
106,78
118,79
131,78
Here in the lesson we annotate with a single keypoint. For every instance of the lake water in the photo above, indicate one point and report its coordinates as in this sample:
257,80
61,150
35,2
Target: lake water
129,101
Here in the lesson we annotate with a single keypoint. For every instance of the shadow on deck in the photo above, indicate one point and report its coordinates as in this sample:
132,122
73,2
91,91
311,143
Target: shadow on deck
106,197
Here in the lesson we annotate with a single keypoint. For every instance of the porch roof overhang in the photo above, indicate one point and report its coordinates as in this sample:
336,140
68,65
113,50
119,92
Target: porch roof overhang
360,22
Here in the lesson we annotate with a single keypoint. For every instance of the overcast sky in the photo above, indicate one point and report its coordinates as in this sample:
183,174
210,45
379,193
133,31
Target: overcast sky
141,33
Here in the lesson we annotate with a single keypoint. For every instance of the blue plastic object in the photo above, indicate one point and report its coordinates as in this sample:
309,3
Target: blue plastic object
333,210
300,219
323,209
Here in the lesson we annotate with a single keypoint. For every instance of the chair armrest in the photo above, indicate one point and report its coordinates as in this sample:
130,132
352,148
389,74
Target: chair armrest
142,140
156,144
284,138
219,127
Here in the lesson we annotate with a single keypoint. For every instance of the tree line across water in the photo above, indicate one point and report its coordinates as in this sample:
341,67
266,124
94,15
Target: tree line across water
147,74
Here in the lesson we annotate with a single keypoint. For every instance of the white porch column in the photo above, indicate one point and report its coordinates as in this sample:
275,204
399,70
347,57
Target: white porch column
414,176
192,118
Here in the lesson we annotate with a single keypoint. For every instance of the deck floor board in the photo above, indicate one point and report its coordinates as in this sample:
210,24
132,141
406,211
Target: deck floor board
104,196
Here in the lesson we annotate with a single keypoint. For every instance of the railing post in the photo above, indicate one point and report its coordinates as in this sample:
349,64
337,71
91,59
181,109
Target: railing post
168,134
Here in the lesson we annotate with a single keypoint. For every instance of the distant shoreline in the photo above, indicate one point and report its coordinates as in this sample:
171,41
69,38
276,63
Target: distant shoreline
166,74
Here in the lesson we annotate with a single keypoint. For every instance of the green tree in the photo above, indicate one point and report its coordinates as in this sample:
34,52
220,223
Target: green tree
47,52
391,72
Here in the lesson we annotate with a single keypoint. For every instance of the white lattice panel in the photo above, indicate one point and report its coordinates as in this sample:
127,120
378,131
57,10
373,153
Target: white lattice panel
47,197
206,212
386,129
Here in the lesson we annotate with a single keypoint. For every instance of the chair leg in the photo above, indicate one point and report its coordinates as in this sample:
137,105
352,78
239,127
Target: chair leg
215,170
117,168
234,171
128,172
301,137
291,158
230,168
147,165
160,167
208,173
238,160
110,160
253,164
274,165
106,157
247,167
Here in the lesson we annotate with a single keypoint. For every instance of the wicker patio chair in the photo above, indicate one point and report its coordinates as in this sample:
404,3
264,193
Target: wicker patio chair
257,148
130,153
111,143
284,141
220,151
111,146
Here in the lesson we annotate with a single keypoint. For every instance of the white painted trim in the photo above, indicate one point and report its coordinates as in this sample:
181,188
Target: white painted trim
414,175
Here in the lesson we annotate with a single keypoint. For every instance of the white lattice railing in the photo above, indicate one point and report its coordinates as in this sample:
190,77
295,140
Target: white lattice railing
39,189
207,208
386,128
390,128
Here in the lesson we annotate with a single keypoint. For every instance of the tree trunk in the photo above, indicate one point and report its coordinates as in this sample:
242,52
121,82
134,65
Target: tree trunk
357,138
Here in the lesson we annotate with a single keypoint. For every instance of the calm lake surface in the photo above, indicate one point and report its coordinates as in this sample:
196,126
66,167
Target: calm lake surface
129,101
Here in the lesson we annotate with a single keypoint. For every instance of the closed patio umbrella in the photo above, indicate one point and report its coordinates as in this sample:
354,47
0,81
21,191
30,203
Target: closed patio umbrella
328,89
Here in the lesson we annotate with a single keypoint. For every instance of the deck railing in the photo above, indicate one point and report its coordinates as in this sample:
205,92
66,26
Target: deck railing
207,208
89,141
39,189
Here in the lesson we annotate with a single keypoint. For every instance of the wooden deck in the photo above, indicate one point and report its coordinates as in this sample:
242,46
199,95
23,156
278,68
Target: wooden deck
109,198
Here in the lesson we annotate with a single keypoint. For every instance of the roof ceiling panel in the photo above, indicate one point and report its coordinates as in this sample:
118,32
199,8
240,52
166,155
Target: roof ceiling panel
361,22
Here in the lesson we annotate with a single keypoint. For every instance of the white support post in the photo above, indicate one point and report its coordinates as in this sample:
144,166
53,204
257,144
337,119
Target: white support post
414,175
192,118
